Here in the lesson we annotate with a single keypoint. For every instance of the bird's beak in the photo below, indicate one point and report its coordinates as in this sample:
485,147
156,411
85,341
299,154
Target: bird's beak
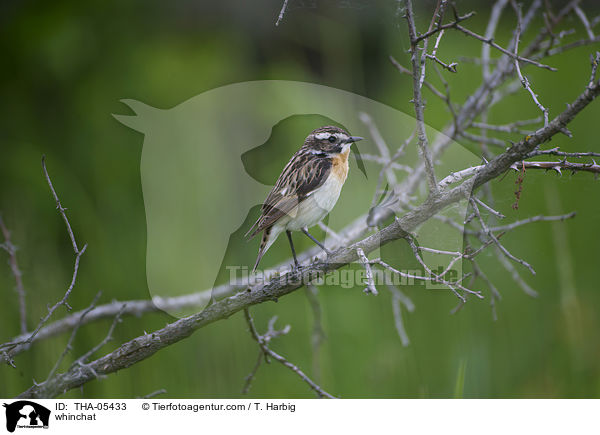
354,139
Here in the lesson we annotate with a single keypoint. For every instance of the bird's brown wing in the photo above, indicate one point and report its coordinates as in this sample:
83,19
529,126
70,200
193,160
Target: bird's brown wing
303,174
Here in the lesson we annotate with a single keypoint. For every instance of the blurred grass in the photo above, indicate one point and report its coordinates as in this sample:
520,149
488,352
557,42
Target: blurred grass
68,65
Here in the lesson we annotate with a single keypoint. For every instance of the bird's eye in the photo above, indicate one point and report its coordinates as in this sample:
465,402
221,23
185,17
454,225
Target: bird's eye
331,139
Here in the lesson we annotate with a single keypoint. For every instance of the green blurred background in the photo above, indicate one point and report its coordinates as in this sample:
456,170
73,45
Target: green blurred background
67,65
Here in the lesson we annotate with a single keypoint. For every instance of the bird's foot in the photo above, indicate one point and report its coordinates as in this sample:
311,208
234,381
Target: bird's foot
326,260
296,267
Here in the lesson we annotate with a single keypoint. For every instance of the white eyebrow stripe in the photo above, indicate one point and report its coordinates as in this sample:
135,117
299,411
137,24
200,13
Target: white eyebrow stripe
326,135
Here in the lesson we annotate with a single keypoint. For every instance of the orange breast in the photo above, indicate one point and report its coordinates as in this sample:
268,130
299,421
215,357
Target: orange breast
339,168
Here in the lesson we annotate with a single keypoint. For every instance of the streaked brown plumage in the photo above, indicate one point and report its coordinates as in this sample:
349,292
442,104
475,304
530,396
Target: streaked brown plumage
307,188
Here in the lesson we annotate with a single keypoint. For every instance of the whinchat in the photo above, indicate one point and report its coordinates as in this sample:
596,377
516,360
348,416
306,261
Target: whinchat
307,189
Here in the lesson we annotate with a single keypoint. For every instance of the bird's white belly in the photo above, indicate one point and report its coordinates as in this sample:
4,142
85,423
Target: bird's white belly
314,208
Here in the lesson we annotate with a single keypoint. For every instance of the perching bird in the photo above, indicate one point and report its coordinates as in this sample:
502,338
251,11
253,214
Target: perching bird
307,189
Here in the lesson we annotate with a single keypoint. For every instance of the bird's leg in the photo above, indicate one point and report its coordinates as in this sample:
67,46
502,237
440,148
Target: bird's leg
322,246
289,234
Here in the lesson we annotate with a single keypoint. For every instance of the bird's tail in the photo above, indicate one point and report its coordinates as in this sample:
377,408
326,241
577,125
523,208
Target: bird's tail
252,231
264,245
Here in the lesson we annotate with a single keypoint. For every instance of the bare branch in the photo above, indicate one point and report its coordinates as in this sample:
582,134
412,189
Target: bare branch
109,337
556,152
384,151
523,79
493,290
452,285
455,177
248,379
281,12
427,84
318,334
595,62
16,272
489,34
586,24
433,56
8,347
514,56
570,46
418,73
60,208
496,241
69,345
362,258
483,139
398,299
558,167
386,163
488,208
513,127
154,394
263,343
516,277
539,218
443,27
331,232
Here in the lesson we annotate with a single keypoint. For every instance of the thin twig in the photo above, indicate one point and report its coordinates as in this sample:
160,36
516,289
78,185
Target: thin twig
267,351
558,167
418,73
398,299
523,79
364,261
109,337
539,218
456,177
427,84
318,334
154,394
8,347
281,12
452,285
484,139
586,24
516,277
16,272
451,25
386,163
488,208
513,127
60,208
556,152
384,151
504,50
248,379
496,241
69,345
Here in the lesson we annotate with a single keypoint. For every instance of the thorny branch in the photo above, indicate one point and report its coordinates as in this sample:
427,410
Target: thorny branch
7,348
